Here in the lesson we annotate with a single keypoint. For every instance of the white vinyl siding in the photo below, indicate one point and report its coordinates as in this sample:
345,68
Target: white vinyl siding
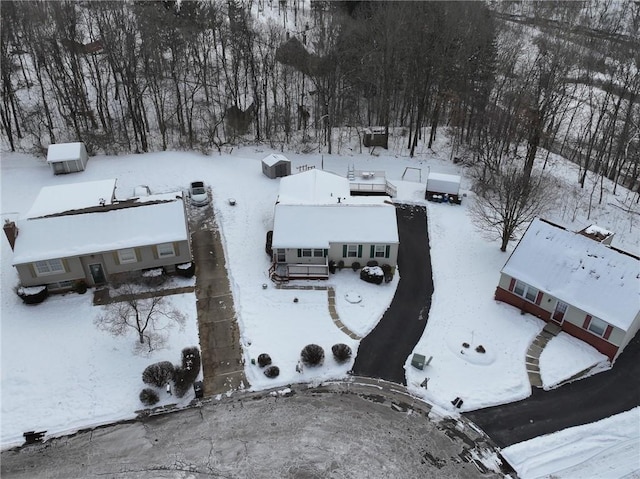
47,267
127,255
165,250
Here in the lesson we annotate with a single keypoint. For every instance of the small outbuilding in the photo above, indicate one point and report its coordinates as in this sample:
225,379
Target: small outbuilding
376,136
276,166
67,157
443,188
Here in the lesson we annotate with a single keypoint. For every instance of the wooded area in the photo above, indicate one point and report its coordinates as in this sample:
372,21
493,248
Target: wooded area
507,81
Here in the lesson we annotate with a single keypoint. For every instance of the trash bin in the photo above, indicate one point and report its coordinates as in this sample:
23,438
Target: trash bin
198,389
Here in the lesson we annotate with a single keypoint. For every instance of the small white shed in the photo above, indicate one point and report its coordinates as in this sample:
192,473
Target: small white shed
67,157
443,188
276,166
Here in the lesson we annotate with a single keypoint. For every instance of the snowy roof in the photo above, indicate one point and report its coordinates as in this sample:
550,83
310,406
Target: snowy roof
64,151
274,158
444,177
76,196
316,226
596,233
109,230
313,187
579,271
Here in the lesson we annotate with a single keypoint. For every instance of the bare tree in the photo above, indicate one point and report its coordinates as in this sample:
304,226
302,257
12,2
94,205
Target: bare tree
508,199
149,318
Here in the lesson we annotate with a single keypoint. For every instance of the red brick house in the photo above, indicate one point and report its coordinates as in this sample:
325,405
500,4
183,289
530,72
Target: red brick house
590,289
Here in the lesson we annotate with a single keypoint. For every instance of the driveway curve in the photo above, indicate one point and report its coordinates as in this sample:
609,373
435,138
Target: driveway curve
384,351
580,402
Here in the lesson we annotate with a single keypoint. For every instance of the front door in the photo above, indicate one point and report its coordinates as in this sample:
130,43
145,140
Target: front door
559,312
97,273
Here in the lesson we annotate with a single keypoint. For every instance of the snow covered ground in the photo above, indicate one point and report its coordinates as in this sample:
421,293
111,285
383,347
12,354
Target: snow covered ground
601,450
60,373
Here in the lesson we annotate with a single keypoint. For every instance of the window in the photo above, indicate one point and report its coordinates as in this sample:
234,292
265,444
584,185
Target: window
531,294
352,251
50,266
281,256
127,256
318,253
165,250
597,326
306,253
380,251
528,292
60,285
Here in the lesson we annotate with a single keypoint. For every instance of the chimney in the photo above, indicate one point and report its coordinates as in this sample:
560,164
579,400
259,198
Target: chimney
11,231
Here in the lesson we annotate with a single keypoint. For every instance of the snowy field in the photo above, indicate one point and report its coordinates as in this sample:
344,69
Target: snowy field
61,373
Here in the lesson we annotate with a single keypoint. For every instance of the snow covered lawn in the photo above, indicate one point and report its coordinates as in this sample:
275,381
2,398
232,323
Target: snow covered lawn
61,373
602,450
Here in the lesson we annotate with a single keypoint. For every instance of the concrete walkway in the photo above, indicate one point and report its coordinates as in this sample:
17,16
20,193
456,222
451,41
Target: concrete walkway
331,298
222,363
536,347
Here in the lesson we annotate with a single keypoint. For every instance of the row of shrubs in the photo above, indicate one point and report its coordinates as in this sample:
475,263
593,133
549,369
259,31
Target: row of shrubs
163,373
311,355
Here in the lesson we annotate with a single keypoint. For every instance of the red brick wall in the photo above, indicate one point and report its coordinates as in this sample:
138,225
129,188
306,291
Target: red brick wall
521,303
605,347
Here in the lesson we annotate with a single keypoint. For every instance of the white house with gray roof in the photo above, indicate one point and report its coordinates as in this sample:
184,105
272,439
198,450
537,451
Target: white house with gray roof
590,289
81,232
317,221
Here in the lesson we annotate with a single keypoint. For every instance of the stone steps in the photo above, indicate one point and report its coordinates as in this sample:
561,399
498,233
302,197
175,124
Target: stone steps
532,359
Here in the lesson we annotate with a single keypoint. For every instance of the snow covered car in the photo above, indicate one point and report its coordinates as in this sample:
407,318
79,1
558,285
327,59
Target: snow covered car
198,194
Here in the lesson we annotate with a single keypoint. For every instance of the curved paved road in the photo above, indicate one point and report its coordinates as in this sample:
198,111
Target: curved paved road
352,430
580,402
384,351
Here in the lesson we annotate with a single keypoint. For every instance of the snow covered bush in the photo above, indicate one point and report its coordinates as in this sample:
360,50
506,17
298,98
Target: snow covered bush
272,372
33,294
388,272
80,286
149,397
187,373
264,360
158,374
186,270
341,352
372,274
312,355
372,263
191,362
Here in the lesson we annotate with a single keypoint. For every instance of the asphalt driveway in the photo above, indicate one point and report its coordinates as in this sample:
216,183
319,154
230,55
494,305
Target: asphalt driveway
384,351
577,403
